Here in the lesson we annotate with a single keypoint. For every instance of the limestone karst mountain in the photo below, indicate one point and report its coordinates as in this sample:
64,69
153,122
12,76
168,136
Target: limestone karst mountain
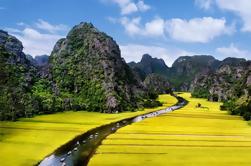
229,83
87,69
16,78
180,74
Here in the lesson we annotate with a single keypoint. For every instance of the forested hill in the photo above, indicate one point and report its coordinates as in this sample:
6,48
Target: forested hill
85,71
17,75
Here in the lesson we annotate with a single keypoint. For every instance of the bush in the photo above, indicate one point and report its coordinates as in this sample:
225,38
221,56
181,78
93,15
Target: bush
228,105
152,95
247,116
223,108
198,105
151,103
200,93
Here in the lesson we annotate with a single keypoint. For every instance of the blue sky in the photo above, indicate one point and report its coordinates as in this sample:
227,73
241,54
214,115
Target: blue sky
163,28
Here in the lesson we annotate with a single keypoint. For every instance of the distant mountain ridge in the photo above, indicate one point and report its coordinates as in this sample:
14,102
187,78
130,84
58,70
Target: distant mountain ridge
42,60
180,74
184,69
228,81
149,65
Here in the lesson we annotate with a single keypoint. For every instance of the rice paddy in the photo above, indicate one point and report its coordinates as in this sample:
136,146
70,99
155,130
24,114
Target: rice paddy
190,136
28,141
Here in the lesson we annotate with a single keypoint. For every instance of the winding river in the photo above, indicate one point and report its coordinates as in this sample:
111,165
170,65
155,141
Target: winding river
78,151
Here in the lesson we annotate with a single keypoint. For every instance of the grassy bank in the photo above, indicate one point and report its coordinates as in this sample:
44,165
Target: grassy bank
27,141
188,137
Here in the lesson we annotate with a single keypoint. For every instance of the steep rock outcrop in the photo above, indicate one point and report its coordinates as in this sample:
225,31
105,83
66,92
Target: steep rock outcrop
182,72
42,60
149,65
230,80
87,70
230,83
157,83
185,68
16,77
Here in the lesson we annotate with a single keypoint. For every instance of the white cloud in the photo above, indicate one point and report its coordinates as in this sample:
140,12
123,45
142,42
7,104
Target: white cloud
36,42
241,8
232,51
132,26
134,52
200,30
112,20
154,28
43,25
22,24
121,2
142,6
131,6
204,4
12,30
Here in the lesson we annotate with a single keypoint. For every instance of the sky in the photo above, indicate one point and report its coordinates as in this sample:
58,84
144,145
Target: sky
165,29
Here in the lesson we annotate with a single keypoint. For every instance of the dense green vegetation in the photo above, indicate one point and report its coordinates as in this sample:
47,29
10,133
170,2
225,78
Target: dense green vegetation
201,93
235,106
16,98
156,83
89,73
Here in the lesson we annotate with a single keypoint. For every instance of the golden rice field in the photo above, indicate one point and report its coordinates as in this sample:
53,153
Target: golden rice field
187,137
27,141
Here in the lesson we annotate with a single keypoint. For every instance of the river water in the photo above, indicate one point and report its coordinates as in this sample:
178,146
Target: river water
78,151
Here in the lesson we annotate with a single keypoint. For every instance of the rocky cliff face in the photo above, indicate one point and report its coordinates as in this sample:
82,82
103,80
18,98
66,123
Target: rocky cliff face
87,70
230,83
182,72
230,80
184,69
149,65
157,83
16,77
42,60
